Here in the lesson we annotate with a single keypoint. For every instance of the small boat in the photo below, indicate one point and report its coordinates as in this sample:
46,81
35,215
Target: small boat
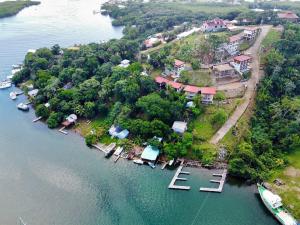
13,95
151,165
5,84
274,205
23,107
171,162
9,77
138,161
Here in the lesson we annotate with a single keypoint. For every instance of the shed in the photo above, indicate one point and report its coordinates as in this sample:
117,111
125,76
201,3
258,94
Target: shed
123,134
179,127
70,120
150,153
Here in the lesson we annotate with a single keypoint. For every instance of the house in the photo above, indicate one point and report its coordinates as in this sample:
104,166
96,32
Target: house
124,63
33,93
288,16
213,25
71,119
250,33
232,47
179,66
150,154
116,131
179,127
151,42
161,81
177,86
241,62
191,91
224,71
207,94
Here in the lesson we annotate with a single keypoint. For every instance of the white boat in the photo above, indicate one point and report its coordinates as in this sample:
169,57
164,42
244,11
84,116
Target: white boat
171,162
16,66
138,161
9,77
23,107
13,95
5,84
151,165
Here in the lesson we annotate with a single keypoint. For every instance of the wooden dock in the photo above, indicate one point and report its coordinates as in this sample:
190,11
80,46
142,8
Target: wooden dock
37,119
176,177
164,165
61,130
221,183
106,149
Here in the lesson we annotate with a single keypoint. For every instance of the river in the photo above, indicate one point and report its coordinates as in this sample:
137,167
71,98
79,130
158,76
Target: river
51,179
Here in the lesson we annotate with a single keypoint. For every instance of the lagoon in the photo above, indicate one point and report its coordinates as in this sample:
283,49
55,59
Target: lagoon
49,178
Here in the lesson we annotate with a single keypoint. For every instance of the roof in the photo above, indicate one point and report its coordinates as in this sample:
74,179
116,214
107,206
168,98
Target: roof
150,153
175,84
287,15
192,89
71,118
251,28
215,22
241,58
125,62
161,80
209,90
223,67
123,134
179,126
235,38
178,63
33,93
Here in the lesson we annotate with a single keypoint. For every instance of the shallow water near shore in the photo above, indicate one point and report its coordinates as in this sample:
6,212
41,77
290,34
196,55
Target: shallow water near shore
49,178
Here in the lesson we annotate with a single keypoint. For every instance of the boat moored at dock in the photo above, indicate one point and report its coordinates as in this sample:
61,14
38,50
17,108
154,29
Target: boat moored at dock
13,95
274,204
5,84
23,107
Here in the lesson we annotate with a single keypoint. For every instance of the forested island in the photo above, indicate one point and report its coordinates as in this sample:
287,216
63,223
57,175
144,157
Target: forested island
11,8
91,82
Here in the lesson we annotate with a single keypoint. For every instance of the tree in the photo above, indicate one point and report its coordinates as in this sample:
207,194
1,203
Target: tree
91,139
89,109
43,111
219,117
54,120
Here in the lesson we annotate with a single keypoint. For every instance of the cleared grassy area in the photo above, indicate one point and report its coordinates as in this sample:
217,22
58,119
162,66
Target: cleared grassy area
11,8
290,192
200,77
272,37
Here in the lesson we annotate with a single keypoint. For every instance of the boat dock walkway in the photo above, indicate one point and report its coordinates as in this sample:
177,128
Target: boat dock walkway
176,177
62,130
37,119
106,149
221,183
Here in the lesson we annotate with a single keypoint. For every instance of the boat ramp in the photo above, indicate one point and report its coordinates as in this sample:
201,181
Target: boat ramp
221,183
176,177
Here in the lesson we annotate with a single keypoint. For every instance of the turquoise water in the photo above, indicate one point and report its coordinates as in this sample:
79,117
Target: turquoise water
51,179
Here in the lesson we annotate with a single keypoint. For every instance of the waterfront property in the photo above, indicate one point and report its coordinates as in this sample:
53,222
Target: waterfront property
117,131
71,119
150,154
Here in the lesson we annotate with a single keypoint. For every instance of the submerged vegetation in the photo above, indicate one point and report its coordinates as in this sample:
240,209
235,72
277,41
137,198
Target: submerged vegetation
11,8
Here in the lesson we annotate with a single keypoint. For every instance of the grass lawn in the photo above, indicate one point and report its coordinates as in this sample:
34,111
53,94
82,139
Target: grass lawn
10,8
85,128
290,192
200,77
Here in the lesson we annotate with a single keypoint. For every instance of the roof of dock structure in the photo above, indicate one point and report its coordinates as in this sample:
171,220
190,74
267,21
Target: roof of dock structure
150,153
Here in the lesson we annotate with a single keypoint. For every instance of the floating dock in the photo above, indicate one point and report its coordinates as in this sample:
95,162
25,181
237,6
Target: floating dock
164,165
221,183
176,177
37,119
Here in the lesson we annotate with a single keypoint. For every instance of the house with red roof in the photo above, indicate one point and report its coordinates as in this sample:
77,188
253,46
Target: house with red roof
163,82
214,25
179,66
232,47
250,33
207,94
177,86
191,91
288,16
241,63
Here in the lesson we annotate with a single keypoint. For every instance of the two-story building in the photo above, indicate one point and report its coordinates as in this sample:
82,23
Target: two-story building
179,66
224,71
250,33
214,25
241,63
207,94
191,91
232,47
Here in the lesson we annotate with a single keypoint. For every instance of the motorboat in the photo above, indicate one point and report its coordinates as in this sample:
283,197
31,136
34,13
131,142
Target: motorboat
23,107
5,84
138,161
13,95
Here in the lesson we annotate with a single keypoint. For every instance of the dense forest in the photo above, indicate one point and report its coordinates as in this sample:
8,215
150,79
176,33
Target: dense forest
11,8
275,126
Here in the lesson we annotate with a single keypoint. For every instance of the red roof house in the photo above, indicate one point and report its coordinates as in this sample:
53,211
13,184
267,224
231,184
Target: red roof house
207,94
179,63
290,16
241,63
161,80
175,85
191,91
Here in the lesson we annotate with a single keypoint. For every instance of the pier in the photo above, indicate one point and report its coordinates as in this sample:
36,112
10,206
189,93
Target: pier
176,177
221,183
37,119
106,149
62,130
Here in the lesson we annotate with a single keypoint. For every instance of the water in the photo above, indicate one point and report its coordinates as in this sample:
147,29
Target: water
48,178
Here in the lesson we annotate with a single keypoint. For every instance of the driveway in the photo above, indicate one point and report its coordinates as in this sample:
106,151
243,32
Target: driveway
251,87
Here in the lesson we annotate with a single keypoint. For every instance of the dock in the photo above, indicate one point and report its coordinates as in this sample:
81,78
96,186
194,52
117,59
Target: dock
164,165
221,183
117,153
62,130
106,149
176,177
37,119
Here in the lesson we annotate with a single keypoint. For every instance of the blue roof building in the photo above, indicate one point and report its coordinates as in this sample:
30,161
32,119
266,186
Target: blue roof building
150,153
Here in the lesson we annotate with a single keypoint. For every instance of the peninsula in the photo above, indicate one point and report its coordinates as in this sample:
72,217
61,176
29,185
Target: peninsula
11,8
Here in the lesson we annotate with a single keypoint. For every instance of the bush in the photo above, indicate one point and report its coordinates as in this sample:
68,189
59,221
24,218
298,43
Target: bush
219,117
54,120
91,139
43,111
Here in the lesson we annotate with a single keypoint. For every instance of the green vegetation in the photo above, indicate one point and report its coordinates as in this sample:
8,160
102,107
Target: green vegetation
11,8
269,42
274,128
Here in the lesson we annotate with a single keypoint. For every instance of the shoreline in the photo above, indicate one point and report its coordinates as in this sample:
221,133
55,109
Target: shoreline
19,6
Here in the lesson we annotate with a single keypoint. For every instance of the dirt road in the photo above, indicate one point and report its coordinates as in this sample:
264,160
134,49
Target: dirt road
251,87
